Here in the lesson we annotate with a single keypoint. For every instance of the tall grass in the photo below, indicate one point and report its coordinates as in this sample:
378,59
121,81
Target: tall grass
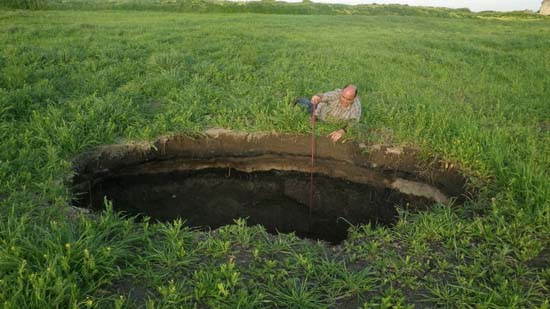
25,4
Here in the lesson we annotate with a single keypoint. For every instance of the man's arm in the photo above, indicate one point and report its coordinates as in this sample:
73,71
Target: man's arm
326,97
336,135
316,99
354,119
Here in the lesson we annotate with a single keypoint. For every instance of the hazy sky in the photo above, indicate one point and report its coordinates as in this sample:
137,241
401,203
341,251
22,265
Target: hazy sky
474,5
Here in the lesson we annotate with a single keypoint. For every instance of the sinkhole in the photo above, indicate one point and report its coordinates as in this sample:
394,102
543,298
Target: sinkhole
212,179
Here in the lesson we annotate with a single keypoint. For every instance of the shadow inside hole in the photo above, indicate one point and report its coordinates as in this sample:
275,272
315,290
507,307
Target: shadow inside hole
278,200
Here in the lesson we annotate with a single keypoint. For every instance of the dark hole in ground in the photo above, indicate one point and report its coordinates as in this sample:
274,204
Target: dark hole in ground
211,180
277,200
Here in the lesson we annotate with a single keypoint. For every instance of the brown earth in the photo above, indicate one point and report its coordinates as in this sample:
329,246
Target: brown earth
222,175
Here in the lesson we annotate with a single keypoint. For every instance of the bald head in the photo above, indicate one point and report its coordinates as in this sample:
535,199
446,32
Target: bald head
348,95
350,91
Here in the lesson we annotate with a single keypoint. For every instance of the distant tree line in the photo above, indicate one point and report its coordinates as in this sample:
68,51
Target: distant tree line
306,7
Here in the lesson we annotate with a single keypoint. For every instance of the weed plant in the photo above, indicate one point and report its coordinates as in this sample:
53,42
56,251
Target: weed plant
474,92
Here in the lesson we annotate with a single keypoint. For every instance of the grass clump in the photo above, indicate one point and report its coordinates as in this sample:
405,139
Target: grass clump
25,4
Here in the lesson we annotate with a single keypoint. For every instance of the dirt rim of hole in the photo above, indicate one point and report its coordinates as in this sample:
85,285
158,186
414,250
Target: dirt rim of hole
381,167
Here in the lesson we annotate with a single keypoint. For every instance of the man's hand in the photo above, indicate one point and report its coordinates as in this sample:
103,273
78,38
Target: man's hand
336,135
315,99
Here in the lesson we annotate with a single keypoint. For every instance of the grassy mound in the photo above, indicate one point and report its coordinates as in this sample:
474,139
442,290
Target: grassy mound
475,92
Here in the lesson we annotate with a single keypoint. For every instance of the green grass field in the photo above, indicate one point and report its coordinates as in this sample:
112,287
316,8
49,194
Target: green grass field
474,91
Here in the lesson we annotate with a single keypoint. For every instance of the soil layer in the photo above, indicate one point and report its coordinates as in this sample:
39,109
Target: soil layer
211,180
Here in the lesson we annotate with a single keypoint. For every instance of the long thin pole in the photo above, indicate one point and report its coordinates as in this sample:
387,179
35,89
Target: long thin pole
312,162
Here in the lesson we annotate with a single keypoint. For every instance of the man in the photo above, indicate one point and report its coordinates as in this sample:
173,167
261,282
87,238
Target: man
340,106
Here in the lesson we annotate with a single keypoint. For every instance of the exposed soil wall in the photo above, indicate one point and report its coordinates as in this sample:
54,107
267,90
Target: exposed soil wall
213,179
376,165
